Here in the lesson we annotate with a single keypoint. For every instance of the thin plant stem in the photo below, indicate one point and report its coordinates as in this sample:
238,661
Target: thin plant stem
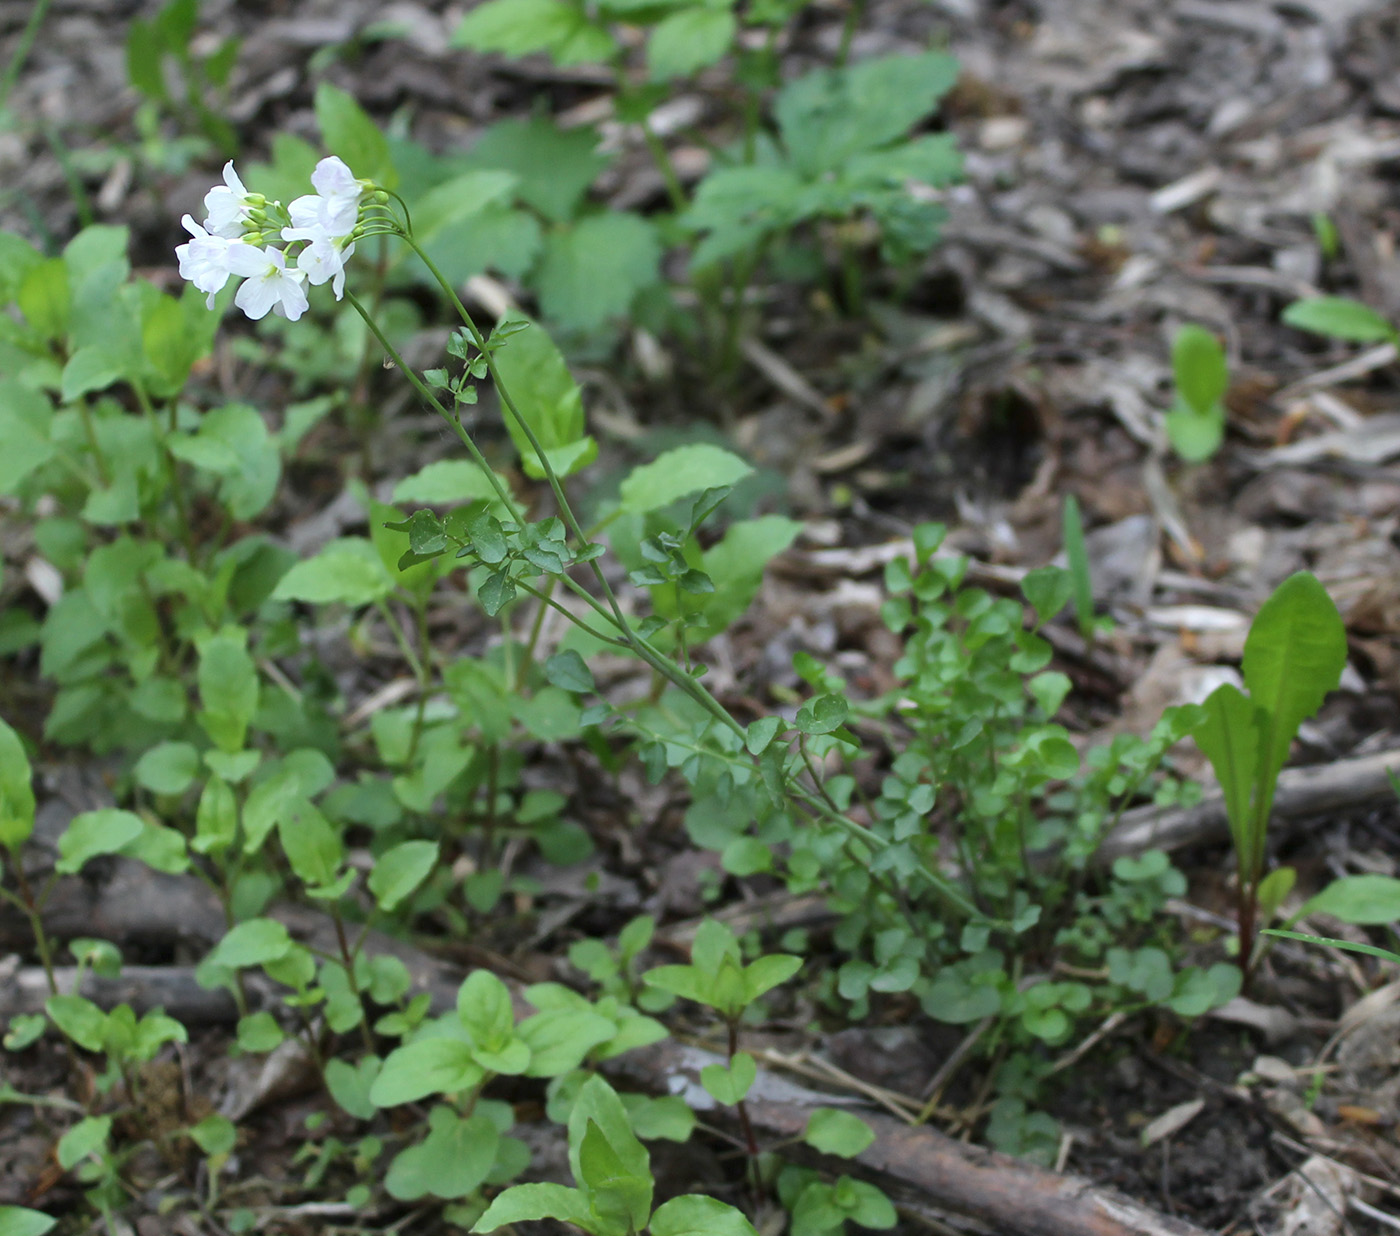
23,48
348,958
639,645
662,158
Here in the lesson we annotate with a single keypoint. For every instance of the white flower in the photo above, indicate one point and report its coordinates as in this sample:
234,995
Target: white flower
204,260
332,179
229,206
268,284
335,206
324,257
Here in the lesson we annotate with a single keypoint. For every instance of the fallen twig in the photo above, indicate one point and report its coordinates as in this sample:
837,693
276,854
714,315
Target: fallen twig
1303,793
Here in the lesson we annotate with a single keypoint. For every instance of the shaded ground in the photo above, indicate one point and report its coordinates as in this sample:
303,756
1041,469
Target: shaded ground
1132,166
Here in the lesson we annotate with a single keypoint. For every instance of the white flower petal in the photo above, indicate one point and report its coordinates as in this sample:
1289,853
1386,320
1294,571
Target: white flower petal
332,178
256,297
232,181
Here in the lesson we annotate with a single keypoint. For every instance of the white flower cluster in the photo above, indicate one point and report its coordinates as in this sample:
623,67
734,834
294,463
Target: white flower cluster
230,241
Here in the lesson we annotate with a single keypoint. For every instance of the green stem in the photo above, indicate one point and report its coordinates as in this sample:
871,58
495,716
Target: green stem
502,494
662,158
854,13
23,48
640,646
90,432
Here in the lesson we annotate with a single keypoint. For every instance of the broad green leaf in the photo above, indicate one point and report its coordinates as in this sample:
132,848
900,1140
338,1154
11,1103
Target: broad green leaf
837,1132
597,1105
312,845
1230,736
519,27
737,207
160,848
730,1085
92,368
569,671
453,1161
44,297
399,870
216,819
462,197
25,419
546,395
260,1032
233,443
761,733
1195,436
554,166
347,570
168,767
620,1199
253,942
20,1221
694,1215
1048,589
79,1018
1274,889
688,41
593,269
529,1202
484,1008
428,1066
1363,900
93,833
86,1137
215,1135
828,115
735,565
678,473
823,715
768,972
1340,318
228,688
16,790
559,1039
446,482
1293,656
1198,365
685,981
348,132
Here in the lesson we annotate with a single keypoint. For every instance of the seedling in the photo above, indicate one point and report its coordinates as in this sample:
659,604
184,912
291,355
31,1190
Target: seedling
613,1183
1340,317
1196,421
1293,656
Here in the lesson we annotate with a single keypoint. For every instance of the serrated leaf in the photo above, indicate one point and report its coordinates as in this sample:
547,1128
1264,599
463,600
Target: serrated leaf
679,472
831,114
348,570
553,166
688,41
592,271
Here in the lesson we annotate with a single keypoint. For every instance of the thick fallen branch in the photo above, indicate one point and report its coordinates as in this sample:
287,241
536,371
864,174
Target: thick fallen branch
1303,793
172,988
1002,1193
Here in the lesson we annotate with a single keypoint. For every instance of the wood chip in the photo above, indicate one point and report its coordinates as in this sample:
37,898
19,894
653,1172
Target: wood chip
1171,1120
